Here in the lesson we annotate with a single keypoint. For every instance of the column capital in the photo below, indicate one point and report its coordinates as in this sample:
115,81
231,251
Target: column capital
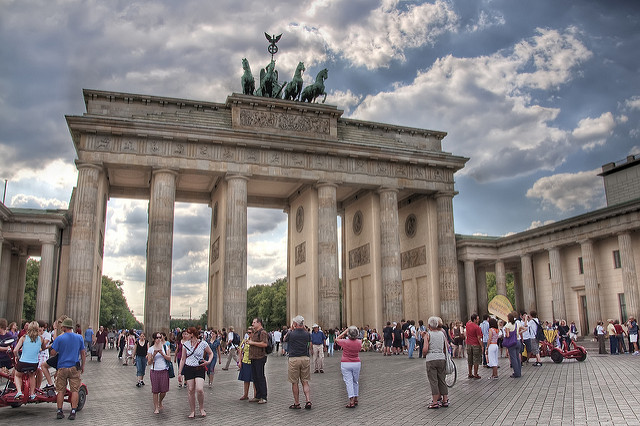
384,189
231,176
323,183
51,241
85,165
445,194
164,170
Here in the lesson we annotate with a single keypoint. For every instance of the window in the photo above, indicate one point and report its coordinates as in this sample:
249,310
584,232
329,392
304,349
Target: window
616,259
548,264
580,266
623,308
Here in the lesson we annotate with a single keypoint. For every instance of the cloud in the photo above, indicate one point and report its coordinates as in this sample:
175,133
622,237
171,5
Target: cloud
592,132
538,223
569,191
633,103
486,105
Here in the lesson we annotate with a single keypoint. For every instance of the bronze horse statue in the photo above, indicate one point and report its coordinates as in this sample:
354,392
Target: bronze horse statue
311,92
247,80
294,88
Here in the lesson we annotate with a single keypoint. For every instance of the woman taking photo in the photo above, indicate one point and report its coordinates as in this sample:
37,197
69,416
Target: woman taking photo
350,363
157,357
193,367
435,343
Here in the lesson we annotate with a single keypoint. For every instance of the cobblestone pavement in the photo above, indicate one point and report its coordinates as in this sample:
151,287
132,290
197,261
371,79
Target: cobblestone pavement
393,391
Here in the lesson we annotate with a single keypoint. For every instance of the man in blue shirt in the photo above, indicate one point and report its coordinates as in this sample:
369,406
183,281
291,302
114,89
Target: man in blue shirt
484,326
69,347
88,338
633,334
317,340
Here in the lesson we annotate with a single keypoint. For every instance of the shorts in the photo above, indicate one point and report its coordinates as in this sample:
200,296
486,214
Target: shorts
53,361
533,347
191,373
26,367
72,375
388,342
633,338
159,381
299,369
6,363
474,354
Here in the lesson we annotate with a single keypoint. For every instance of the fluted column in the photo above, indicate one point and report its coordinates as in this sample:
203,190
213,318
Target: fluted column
157,294
517,289
235,259
390,255
501,278
5,270
83,245
470,285
328,288
44,300
447,260
591,283
557,284
629,276
12,291
483,296
528,284
21,282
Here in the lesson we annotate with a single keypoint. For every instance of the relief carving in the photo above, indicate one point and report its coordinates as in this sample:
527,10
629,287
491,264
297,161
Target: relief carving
178,149
215,250
281,121
297,160
252,155
301,253
413,258
359,256
203,150
227,154
129,145
103,143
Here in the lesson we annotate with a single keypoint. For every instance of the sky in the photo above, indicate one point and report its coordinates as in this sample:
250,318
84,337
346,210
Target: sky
538,95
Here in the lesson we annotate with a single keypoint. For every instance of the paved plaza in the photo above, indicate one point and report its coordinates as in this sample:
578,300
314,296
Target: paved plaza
393,391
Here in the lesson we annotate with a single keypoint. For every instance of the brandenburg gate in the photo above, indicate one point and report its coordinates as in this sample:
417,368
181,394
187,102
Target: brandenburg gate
393,186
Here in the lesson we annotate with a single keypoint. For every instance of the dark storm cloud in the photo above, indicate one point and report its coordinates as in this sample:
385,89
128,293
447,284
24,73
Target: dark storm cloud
264,220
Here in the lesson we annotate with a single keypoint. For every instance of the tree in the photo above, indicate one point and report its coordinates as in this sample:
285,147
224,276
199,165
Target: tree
492,288
114,309
268,302
30,291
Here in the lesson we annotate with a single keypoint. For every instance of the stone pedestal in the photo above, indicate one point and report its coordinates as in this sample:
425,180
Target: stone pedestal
328,288
501,279
390,255
629,275
447,259
44,299
591,283
157,295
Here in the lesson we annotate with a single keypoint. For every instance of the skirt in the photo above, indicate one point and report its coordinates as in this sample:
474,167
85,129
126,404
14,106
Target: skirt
159,381
245,373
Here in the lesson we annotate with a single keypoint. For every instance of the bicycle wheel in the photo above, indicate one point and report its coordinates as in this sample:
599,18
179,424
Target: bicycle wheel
450,379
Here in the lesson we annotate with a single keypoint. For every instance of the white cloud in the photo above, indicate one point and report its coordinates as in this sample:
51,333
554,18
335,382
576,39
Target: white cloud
633,103
345,100
569,191
538,223
30,201
592,132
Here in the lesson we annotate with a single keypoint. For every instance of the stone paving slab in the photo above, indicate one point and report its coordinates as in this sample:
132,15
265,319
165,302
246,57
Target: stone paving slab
603,390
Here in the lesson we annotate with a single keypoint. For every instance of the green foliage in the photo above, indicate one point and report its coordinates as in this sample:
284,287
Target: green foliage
184,323
114,310
492,288
268,302
30,291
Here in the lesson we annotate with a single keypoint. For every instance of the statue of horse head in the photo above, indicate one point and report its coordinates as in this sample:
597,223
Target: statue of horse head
300,69
322,75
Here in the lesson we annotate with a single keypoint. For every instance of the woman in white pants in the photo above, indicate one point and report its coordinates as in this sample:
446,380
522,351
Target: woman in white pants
350,363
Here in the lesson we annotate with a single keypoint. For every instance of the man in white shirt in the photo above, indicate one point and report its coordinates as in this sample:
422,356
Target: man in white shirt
233,348
277,336
529,336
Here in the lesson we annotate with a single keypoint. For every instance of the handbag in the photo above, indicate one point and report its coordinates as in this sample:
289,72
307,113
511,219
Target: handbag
449,366
511,340
169,364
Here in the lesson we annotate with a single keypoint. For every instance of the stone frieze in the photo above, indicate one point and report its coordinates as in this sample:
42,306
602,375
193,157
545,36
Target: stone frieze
359,256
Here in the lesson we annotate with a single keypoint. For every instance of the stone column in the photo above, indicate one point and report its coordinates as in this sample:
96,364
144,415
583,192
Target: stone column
591,283
483,296
390,255
157,294
21,281
12,290
328,288
5,270
447,260
44,300
528,283
557,285
83,245
235,256
517,289
501,278
470,285
629,276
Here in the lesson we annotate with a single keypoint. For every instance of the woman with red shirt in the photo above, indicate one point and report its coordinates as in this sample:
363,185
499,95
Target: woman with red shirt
350,362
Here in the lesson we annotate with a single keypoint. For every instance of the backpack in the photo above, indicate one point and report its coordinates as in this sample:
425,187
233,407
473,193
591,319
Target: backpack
236,339
269,347
540,337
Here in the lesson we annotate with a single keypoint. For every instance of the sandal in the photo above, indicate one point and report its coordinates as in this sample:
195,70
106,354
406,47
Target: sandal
350,405
477,377
433,406
307,406
294,406
444,403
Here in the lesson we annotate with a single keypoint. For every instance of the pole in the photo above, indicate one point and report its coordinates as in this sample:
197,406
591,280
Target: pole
5,191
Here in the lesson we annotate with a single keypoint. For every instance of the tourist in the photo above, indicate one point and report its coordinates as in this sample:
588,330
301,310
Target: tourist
529,336
193,366
412,337
214,344
474,346
613,337
88,338
600,333
350,363
492,350
101,339
131,346
501,325
157,358
43,355
514,351
258,355
317,340
435,345
184,337
299,365
232,348
398,338
245,367
68,347
458,340
563,335
277,338
419,337
141,350
573,331
484,326
387,335
27,361
331,338
620,333
122,342
5,348
285,345
632,326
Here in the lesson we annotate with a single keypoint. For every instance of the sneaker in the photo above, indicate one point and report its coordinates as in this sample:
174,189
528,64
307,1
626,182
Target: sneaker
322,371
32,397
138,384
72,415
636,353
262,401
537,364
18,395
254,400
59,415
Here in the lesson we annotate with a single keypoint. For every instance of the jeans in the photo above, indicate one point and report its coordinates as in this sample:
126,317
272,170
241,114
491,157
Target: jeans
351,375
141,363
420,347
613,344
259,380
330,349
515,356
412,346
